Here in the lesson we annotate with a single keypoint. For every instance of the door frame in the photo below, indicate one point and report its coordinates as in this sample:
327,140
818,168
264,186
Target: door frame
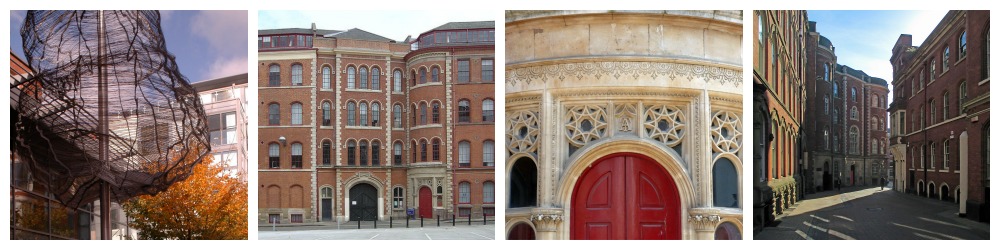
663,156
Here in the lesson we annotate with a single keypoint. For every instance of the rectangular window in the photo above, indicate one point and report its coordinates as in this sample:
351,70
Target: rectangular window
375,148
326,153
296,218
464,196
274,218
222,128
464,212
488,211
487,70
463,71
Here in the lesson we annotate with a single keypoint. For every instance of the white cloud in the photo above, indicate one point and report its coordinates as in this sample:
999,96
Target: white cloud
223,67
222,29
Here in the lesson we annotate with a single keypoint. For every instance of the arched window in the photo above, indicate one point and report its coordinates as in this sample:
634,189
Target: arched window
463,111
961,45
274,76
435,71
423,75
487,110
413,78
464,148
363,112
375,113
836,89
854,113
397,81
728,231
488,192
397,116
962,94
397,153
326,152
363,72
296,114
350,114
725,184
375,78
350,77
423,150
413,111
350,153
423,113
874,148
854,94
435,112
826,72
273,114
363,153
296,155
296,74
826,139
523,183
274,155
435,150
464,192
933,112
945,58
488,160
413,151
326,77
326,114
854,140
376,146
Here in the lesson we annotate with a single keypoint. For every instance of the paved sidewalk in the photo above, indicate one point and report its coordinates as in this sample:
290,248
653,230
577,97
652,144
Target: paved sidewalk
868,213
458,232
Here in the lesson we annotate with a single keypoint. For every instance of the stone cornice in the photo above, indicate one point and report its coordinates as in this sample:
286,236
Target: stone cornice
622,70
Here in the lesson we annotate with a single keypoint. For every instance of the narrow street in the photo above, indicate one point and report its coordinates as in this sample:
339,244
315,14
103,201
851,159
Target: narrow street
868,213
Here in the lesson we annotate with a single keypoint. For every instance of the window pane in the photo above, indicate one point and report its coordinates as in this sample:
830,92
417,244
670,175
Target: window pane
463,71
487,71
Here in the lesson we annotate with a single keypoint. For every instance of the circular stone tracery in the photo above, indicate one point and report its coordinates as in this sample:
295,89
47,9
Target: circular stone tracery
726,133
665,124
585,124
525,123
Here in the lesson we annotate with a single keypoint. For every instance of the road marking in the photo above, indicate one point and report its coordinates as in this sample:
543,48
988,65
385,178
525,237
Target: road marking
841,235
373,237
844,218
428,236
944,223
803,234
480,235
926,236
814,226
819,218
928,231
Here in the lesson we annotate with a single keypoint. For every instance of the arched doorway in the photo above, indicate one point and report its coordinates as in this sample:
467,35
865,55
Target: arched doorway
931,191
426,209
945,194
625,196
523,183
364,202
521,231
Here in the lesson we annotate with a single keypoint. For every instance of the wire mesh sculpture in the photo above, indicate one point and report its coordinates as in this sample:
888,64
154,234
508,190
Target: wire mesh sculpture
107,103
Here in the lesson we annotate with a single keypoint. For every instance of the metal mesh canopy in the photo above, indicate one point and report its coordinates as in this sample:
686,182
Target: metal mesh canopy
107,103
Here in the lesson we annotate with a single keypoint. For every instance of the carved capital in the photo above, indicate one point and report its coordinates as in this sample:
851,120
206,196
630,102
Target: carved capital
704,222
546,220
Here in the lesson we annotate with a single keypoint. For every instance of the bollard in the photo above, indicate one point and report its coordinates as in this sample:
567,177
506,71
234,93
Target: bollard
421,221
470,219
359,223
375,223
484,219
390,221
453,220
439,220
407,221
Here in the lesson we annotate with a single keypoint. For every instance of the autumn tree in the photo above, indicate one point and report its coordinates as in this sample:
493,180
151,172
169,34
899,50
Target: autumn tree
209,205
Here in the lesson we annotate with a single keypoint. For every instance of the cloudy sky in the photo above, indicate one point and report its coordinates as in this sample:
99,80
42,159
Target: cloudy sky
394,25
207,44
864,39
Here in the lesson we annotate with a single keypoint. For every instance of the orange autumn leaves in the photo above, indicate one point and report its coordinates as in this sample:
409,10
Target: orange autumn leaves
208,205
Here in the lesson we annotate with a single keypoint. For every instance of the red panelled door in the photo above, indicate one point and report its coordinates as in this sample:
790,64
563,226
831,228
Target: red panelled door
426,210
625,196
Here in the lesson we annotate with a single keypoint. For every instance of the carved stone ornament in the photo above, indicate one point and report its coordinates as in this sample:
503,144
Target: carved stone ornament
585,124
522,132
625,116
622,71
546,222
665,124
704,222
727,133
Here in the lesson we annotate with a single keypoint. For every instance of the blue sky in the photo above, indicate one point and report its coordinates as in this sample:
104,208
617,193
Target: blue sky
864,39
382,23
207,44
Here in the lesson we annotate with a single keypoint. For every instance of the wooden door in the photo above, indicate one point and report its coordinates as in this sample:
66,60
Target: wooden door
364,202
426,209
625,196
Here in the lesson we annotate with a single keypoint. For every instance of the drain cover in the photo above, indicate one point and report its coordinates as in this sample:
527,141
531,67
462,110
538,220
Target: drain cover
874,209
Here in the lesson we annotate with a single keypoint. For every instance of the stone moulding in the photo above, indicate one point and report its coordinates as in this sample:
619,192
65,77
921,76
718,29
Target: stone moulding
622,70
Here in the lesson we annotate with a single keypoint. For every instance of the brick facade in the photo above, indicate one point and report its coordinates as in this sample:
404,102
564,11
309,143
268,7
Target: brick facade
359,147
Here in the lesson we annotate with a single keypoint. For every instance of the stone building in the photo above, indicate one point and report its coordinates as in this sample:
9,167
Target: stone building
225,101
940,113
356,126
613,112
779,99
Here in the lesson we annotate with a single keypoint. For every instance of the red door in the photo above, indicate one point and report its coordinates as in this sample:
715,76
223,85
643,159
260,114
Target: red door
425,203
625,196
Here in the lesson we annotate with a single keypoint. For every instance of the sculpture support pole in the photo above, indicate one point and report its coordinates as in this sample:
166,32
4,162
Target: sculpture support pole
102,100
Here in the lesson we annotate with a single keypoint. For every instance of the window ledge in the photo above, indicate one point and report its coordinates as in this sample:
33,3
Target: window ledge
427,126
364,127
363,90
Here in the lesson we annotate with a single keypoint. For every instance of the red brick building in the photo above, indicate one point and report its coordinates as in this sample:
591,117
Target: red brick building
846,114
940,113
356,126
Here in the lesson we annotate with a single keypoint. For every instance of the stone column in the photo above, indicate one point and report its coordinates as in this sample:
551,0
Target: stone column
547,223
704,226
